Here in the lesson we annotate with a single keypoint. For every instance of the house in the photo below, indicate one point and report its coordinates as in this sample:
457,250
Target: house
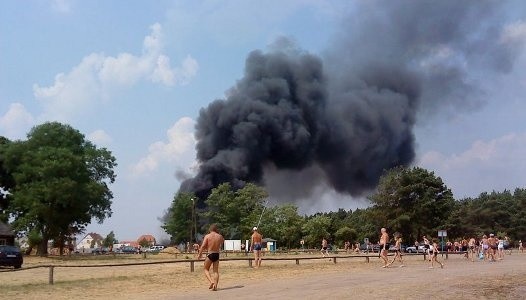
88,240
129,243
147,237
7,236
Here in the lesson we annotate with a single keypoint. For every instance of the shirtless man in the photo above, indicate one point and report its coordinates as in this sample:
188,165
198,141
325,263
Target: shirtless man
324,246
384,246
255,244
492,243
212,243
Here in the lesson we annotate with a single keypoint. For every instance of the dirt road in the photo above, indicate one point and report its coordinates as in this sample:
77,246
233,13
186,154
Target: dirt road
312,279
459,279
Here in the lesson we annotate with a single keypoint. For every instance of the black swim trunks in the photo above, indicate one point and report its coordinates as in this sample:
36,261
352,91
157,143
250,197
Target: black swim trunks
213,257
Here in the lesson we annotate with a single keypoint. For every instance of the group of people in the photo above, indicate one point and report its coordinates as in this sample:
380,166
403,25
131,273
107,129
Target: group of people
488,248
212,243
431,248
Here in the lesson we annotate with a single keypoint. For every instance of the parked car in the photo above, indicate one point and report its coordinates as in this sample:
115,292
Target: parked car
100,250
11,256
128,250
370,248
412,249
155,248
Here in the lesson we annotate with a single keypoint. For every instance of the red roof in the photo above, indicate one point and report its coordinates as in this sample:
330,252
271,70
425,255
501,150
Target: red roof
150,238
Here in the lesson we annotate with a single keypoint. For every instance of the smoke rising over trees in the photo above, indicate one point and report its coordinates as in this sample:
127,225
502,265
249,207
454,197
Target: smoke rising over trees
344,119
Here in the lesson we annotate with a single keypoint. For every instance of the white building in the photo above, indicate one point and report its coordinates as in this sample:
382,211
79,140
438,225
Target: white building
88,240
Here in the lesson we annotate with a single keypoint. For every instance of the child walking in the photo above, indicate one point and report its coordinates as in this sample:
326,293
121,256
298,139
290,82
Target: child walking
398,250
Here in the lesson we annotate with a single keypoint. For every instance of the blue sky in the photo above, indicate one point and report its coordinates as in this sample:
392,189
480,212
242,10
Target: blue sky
132,76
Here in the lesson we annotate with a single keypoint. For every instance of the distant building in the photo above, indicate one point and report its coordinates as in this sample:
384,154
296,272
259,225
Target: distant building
89,239
7,236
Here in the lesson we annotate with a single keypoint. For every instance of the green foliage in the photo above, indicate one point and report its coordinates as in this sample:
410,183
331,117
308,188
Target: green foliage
178,221
60,182
235,212
6,181
411,201
315,229
345,234
109,240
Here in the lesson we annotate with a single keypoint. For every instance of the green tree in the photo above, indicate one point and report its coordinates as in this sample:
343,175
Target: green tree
280,222
345,234
411,201
178,220
315,229
6,181
235,212
109,240
61,182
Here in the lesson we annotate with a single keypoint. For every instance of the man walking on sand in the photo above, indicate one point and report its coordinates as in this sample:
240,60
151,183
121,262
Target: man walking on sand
324,247
384,246
212,243
255,243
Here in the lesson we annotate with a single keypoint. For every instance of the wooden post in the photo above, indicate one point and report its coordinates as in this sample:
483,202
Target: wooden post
367,259
192,266
334,259
250,263
51,274
297,261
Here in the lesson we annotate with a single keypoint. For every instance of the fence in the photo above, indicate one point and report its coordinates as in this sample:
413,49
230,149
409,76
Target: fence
192,262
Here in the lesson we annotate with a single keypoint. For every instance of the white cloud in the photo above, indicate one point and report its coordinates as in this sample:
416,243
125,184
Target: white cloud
100,138
62,6
487,165
514,33
178,150
97,74
16,122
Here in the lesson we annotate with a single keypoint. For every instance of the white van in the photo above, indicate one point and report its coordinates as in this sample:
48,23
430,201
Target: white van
156,248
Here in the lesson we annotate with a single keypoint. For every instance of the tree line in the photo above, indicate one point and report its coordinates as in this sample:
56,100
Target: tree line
55,182
410,201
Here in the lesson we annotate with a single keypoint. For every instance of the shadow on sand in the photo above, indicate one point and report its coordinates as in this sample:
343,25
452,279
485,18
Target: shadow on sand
232,287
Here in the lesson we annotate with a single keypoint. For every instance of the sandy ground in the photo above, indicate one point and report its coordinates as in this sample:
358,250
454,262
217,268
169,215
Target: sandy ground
314,279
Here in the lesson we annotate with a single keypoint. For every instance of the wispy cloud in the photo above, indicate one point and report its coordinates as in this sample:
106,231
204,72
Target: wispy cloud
94,78
100,138
178,150
16,122
487,165
61,6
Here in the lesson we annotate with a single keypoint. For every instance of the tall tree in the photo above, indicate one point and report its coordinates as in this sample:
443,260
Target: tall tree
109,240
6,180
411,201
236,212
61,182
178,222
315,229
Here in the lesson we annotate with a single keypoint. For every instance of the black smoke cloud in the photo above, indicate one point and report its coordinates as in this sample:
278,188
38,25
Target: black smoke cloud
343,119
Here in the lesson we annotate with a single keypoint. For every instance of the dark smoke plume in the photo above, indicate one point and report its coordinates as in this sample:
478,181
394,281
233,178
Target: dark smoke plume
342,120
